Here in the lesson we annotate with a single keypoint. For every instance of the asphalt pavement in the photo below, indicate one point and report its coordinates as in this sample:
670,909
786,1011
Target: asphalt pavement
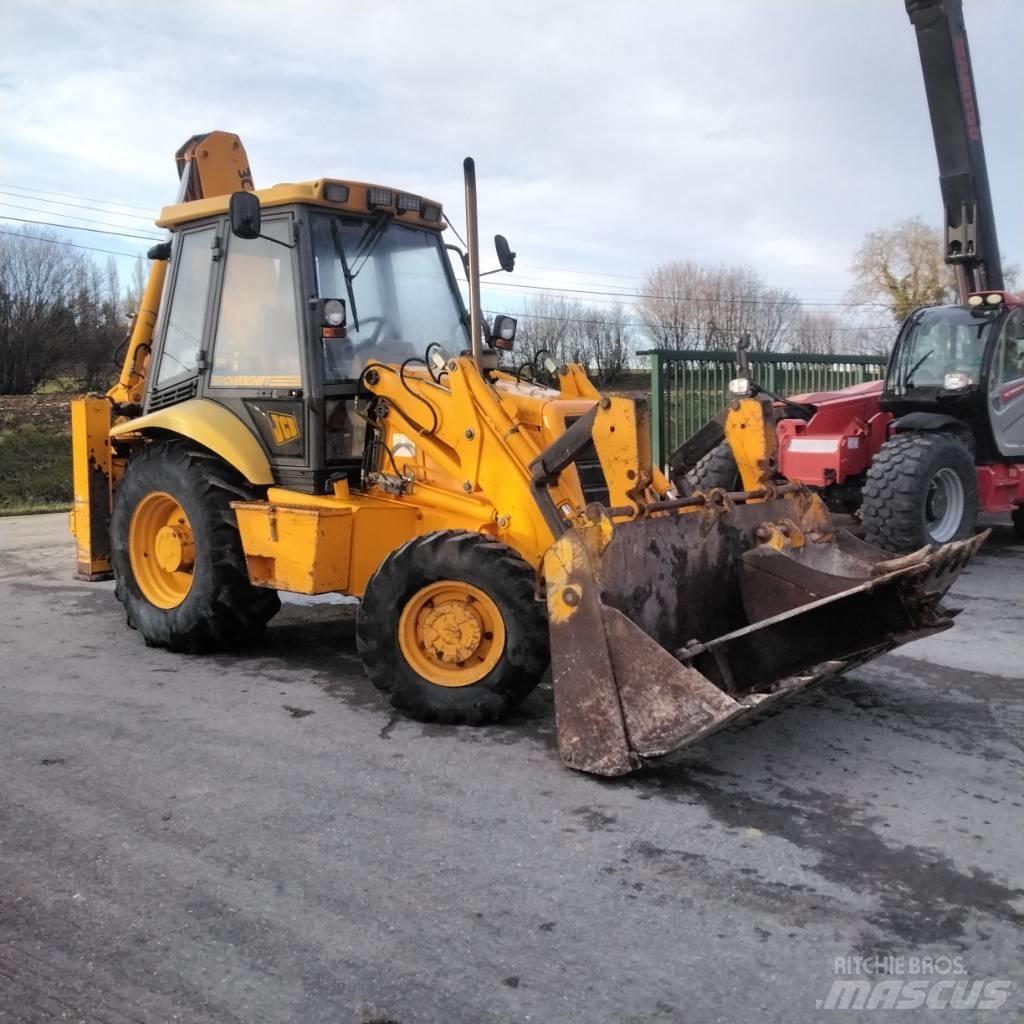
258,838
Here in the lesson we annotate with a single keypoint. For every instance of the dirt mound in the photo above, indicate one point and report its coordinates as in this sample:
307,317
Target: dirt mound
50,411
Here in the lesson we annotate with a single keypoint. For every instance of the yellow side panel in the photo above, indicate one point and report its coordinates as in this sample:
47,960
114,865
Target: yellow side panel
324,545
91,472
303,550
213,427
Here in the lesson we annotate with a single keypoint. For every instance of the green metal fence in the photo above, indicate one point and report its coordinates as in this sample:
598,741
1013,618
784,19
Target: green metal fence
691,386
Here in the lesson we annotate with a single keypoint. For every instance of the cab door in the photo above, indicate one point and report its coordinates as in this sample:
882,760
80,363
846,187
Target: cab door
256,358
1006,388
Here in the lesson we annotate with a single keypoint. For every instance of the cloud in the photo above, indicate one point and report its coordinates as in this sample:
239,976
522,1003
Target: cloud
609,136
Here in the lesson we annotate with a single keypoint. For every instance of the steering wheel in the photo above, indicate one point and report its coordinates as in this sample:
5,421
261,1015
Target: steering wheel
371,341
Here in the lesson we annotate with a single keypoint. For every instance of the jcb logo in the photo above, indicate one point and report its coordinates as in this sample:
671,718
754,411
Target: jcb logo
285,427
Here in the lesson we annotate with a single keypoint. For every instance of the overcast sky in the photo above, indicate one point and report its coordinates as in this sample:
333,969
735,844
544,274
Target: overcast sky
609,137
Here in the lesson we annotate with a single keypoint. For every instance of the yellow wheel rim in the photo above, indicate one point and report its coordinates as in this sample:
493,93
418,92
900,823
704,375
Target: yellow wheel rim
451,633
162,550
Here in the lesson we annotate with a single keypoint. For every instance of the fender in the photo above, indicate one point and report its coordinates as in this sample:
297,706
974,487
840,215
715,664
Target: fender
932,422
212,426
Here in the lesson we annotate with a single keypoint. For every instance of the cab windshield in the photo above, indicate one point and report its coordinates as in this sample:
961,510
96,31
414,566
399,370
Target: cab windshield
940,340
398,289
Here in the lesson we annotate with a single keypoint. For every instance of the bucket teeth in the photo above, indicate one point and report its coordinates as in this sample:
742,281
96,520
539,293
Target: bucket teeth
663,629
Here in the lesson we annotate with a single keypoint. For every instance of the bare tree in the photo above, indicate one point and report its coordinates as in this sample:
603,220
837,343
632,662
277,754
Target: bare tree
135,287
816,332
598,338
37,324
686,305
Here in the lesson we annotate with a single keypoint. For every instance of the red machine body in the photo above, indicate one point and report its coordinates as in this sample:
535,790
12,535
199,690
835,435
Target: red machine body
833,449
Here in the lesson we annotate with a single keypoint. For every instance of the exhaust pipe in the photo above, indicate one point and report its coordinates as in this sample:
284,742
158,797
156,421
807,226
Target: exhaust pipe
473,244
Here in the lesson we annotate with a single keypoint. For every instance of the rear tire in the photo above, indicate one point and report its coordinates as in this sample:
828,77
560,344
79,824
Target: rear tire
1018,522
921,489
218,608
471,654
716,469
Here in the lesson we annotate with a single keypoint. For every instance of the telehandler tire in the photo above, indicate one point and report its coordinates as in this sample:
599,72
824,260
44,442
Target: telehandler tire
716,469
451,628
921,489
177,555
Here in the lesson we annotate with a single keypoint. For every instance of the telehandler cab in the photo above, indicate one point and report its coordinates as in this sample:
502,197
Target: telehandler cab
306,405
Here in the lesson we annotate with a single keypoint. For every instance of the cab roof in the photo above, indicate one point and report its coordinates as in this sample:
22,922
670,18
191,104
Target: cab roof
350,196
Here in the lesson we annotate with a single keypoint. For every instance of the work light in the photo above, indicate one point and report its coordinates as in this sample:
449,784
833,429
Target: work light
739,386
379,197
335,193
408,203
956,381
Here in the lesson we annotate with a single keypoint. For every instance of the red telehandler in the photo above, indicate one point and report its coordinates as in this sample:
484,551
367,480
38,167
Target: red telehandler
941,439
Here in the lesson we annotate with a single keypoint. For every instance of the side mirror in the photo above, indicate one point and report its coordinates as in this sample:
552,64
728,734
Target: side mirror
506,257
244,210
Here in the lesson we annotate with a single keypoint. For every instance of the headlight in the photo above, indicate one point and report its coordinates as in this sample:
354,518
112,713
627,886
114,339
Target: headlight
739,386
956,381
975,300
334,313
994,299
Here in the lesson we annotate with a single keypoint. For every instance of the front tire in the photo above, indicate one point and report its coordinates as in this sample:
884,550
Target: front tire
450,627
716,469
921,489
1018,522
177,554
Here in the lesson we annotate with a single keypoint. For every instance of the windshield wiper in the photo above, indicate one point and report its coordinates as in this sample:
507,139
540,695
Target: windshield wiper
336,235
917,366
368,242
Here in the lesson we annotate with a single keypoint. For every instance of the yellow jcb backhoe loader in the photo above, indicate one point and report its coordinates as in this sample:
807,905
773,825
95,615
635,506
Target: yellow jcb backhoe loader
306,405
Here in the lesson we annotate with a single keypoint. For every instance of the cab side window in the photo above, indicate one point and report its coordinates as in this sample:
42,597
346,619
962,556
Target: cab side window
257,339
1012,356
184,331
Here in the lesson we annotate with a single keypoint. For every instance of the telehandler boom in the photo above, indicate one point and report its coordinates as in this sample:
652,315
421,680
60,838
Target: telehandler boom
306,405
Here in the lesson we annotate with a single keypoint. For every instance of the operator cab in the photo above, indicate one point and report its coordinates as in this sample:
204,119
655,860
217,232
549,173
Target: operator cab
277,301
965,362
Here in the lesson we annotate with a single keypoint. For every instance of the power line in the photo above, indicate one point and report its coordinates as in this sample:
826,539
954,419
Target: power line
67,216
68,195
79,206
674,298
637,323
71,227
74,245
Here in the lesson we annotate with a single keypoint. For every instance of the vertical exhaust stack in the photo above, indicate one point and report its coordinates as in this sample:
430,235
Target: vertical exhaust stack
473,244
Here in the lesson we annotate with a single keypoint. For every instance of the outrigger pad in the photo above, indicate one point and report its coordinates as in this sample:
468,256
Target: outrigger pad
666,628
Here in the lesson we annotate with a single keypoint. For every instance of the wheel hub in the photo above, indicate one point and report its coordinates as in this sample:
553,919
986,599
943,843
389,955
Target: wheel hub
944,505
451,631
174,549
161,547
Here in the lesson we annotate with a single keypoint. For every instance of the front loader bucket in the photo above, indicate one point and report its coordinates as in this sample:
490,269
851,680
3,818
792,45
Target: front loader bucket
666,627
